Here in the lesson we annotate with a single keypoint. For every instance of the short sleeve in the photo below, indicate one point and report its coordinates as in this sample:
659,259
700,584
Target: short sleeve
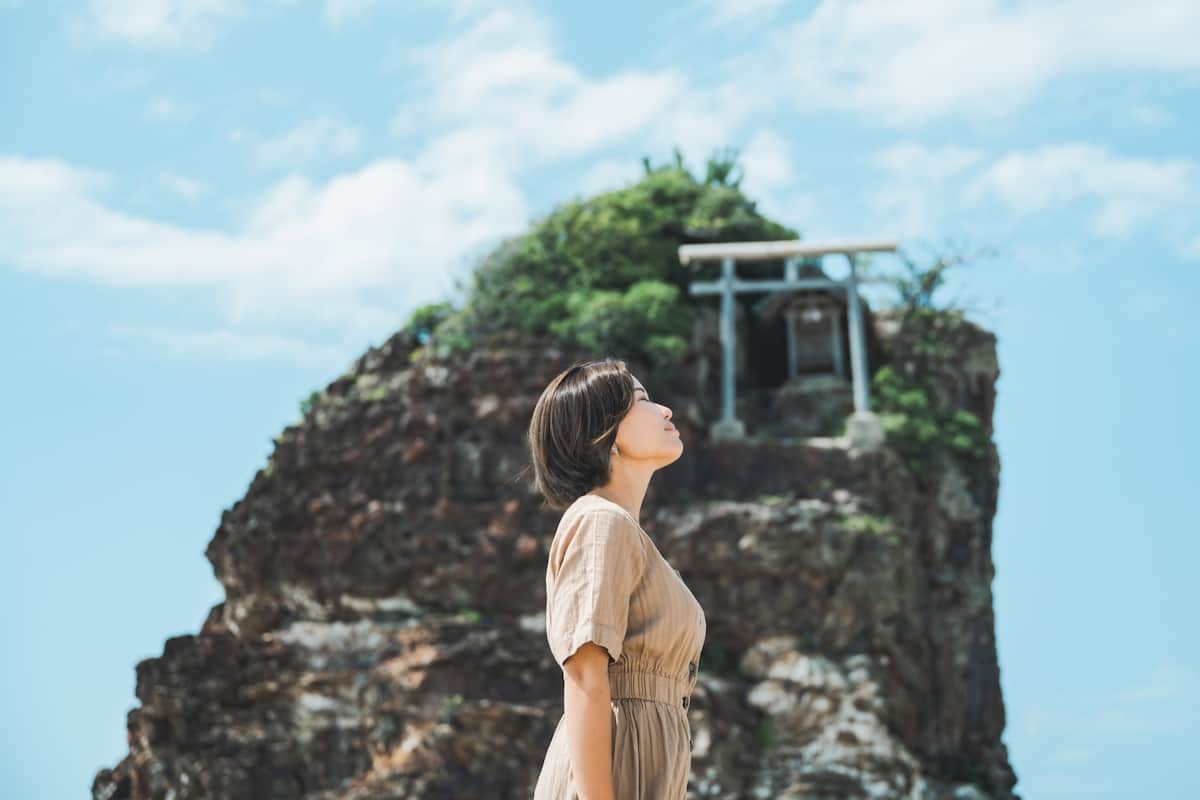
594,566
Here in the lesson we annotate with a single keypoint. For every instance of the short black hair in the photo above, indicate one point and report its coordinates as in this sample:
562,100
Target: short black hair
573,428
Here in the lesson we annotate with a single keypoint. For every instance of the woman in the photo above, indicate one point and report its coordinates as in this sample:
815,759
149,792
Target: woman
625,629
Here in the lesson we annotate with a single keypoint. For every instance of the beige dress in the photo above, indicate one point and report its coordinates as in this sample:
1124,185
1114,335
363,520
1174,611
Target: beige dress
606,582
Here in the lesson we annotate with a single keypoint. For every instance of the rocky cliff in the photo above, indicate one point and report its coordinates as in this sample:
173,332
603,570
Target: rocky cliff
382,635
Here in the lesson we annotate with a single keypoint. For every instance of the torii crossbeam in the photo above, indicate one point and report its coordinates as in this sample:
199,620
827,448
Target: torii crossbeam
791,250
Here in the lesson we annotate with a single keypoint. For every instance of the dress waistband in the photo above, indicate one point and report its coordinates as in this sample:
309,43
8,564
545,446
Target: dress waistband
649,686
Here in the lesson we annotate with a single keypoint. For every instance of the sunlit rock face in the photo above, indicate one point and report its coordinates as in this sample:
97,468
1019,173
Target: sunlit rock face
382,632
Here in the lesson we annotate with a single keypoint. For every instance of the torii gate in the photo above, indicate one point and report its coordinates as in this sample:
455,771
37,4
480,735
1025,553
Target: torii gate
863,427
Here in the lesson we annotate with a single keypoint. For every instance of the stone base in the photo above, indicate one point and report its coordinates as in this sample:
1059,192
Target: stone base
864,431
805,404
727,430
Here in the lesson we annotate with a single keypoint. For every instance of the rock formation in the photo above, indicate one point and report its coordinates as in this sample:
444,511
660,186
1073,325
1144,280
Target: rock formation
382,637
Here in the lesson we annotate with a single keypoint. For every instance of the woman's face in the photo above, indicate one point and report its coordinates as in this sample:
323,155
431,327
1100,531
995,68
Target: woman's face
646,431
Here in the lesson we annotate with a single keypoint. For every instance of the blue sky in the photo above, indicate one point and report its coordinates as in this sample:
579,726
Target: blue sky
209,208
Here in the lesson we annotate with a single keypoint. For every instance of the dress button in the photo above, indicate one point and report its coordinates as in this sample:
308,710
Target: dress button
685,701
691,669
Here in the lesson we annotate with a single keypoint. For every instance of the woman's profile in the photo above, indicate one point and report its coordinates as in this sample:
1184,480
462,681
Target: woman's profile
621,623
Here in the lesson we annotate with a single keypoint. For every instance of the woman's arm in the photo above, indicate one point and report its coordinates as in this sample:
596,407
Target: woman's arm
586,706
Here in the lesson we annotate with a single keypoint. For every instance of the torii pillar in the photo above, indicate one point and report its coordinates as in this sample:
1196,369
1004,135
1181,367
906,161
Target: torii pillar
862,428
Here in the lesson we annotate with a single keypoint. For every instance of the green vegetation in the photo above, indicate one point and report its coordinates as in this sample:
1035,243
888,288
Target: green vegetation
881,526
384,732
440,317
450,704
374,394
904,393
602,273
309,403
715,659
917,429
765,733
424,319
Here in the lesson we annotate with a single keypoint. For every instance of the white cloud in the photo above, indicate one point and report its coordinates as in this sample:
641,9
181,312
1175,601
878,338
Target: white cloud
351,254
324,135
273,96
338,11
906,63
1150,115
167,110
159,23
1123,194
503,73
501,80
181,185
704,119
773,181
723,13
126,78
1047,258
767,161
1002,194
233,345
919,163
914,197
609,173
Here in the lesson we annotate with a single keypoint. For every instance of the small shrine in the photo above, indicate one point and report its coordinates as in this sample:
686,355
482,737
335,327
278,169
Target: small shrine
823,321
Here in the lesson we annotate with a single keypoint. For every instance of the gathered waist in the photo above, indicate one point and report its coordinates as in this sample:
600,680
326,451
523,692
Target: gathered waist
643,685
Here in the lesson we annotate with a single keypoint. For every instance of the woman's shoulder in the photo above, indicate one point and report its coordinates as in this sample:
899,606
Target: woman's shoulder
588,504
591,514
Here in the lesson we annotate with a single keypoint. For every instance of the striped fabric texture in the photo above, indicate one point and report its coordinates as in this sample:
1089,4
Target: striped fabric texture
607,582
